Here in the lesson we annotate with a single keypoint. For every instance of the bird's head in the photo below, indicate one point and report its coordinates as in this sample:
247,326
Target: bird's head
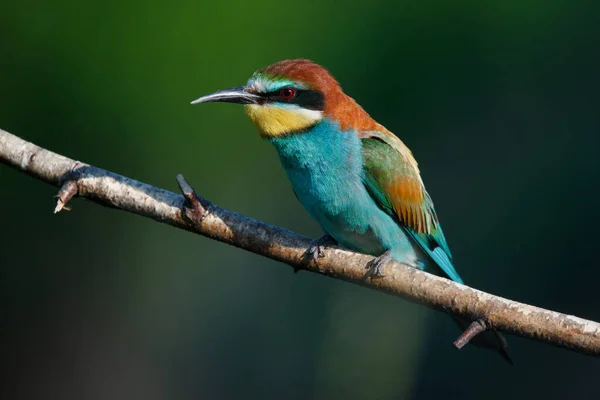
291,96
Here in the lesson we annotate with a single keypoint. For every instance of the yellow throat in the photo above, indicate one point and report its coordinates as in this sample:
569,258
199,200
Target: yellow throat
275,121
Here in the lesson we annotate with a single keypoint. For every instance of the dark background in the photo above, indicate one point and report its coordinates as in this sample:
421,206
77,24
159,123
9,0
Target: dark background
497,99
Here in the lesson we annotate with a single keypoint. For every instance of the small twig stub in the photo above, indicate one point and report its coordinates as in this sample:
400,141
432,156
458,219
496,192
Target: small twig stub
193,208
473,330
66,192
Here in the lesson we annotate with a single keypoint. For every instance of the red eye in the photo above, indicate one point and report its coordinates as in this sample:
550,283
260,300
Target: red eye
287,93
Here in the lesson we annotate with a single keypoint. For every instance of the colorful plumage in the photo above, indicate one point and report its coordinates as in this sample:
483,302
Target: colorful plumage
353,176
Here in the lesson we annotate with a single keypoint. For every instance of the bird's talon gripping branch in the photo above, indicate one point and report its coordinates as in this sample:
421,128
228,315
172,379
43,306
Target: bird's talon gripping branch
316,249
473,330
193,210
376,265
66,192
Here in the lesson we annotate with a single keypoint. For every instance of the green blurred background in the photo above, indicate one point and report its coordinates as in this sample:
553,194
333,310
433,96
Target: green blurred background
498,100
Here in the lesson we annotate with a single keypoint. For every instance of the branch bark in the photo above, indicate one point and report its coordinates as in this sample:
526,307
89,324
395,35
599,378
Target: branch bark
198,215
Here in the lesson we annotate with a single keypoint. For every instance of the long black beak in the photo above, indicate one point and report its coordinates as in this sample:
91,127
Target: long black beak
239,95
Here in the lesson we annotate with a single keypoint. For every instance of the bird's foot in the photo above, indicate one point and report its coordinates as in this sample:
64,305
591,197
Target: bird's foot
375,266
315,251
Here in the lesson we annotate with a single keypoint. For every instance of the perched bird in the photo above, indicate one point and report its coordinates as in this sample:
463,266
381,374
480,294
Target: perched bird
353,176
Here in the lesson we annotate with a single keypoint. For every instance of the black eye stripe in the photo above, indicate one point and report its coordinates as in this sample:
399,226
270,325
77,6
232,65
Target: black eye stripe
311,99
305,98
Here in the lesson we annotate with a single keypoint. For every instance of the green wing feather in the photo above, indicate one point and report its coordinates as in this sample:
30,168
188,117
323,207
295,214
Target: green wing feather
392,178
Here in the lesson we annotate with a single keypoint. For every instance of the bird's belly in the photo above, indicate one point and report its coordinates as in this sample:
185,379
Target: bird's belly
348,213
350,231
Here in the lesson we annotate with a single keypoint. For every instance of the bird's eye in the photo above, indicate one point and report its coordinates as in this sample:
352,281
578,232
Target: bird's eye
287,93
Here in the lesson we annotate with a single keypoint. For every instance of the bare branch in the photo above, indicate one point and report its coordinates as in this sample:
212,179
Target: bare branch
197,215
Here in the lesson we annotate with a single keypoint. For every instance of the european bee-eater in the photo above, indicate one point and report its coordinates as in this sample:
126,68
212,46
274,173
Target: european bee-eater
354,177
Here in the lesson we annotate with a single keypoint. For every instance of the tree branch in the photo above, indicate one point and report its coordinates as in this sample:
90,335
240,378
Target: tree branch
198,215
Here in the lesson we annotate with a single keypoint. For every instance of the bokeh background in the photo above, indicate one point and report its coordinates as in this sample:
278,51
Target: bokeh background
497,99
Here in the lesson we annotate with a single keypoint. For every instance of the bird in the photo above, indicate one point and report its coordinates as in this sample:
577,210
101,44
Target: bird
358,180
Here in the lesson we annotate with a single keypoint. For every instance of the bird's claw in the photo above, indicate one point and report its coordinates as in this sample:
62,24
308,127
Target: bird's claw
376,265
315,252
317,247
